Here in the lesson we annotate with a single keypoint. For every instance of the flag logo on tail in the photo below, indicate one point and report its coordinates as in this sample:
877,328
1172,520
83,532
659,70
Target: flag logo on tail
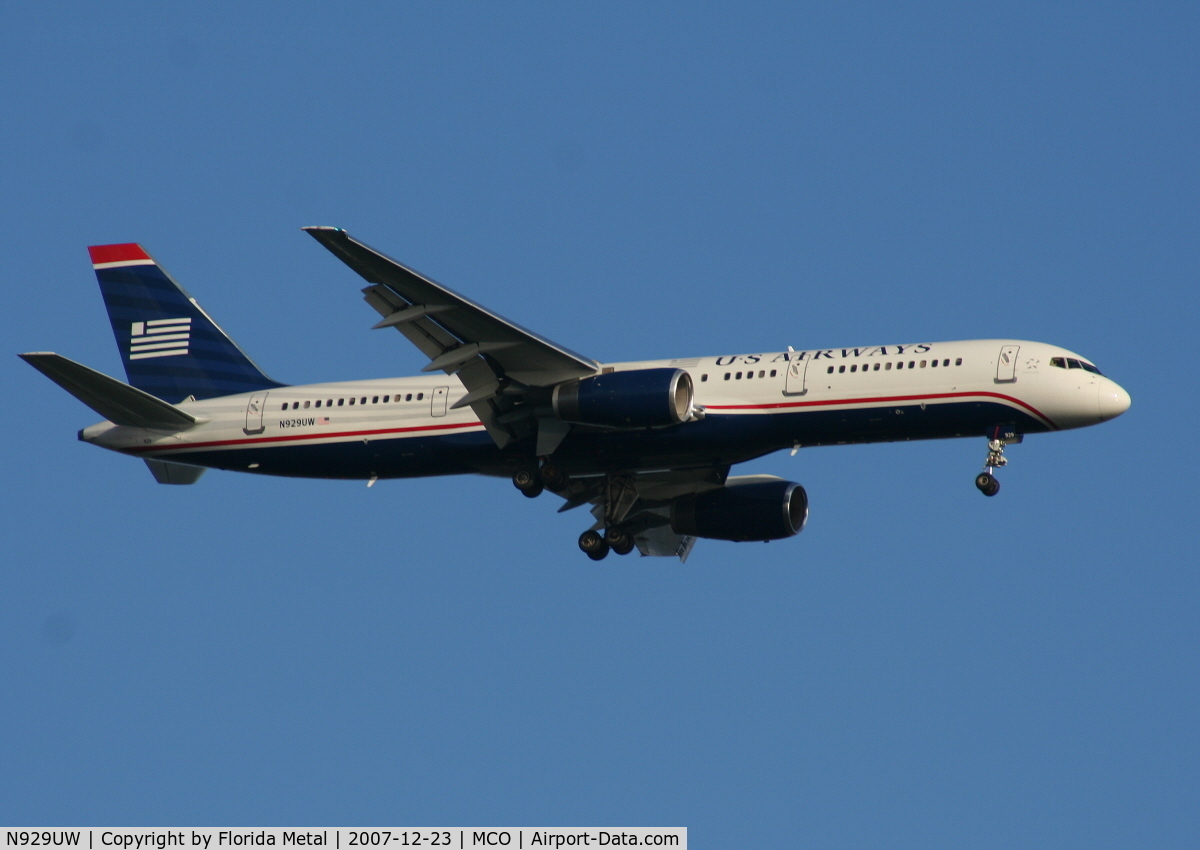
159,338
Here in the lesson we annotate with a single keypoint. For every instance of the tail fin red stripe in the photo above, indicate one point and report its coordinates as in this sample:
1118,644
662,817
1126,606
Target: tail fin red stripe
127,252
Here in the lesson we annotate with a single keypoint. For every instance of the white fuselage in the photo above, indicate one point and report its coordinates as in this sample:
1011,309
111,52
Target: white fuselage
408,426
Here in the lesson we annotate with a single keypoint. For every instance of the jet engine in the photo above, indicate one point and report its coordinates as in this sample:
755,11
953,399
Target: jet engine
639,398
750,507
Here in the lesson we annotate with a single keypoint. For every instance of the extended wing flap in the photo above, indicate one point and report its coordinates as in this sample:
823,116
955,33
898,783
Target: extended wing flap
450,320
661,541
115,400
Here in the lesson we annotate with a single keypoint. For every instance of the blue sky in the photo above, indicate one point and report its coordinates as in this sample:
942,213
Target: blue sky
921,667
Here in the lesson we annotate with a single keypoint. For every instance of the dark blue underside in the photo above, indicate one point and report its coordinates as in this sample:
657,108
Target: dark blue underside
718,440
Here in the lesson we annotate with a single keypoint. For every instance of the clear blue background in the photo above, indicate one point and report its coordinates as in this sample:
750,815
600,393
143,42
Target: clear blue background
921,667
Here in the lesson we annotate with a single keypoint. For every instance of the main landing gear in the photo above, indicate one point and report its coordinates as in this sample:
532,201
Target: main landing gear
596,545
528,482
620,493
999,436
593,545
531,480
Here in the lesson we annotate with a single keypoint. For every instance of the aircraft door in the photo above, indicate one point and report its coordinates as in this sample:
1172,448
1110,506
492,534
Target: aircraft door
439,400
254,413
797,374
1006,364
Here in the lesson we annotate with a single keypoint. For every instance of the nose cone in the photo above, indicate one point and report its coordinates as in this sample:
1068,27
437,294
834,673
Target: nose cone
1112,399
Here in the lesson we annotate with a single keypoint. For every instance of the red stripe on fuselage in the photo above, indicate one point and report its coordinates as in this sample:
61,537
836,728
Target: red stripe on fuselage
882,400
288,438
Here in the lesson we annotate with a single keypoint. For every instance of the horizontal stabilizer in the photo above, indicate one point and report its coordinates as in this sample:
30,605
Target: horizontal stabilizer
115,400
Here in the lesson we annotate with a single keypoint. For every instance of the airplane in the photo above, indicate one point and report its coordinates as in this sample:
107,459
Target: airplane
648,444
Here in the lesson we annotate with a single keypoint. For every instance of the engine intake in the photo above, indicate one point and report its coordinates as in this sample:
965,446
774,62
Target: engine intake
640,398
753,507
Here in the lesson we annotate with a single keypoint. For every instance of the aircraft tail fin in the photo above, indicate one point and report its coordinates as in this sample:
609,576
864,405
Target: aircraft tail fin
114,400
171,348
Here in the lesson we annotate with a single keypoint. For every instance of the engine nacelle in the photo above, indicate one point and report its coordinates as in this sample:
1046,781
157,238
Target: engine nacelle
641,398
751,507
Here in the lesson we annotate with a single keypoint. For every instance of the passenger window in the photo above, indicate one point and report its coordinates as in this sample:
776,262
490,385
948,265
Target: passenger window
946,362
749,375
318,404
923,364
762,373
341,401
374,399
727,376
420,396
739,376
958,362
854,367
295,405
386,399
888,366
351,402
841,369
900,365
912,364
772,373
306,405
284,406
329,402
829,370
703,378
876,369
934,364
362,400
408,397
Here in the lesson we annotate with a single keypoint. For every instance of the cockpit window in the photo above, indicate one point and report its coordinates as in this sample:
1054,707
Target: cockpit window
1072,363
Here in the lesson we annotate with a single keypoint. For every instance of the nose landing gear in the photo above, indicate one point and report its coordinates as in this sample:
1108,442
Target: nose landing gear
987,484
999,436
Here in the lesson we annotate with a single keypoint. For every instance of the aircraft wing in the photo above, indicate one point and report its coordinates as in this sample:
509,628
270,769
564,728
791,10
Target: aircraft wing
492,356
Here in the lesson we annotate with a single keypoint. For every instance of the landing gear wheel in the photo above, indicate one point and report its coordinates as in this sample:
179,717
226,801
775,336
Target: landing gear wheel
987,484
528,482
593,545
552,476
619,540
